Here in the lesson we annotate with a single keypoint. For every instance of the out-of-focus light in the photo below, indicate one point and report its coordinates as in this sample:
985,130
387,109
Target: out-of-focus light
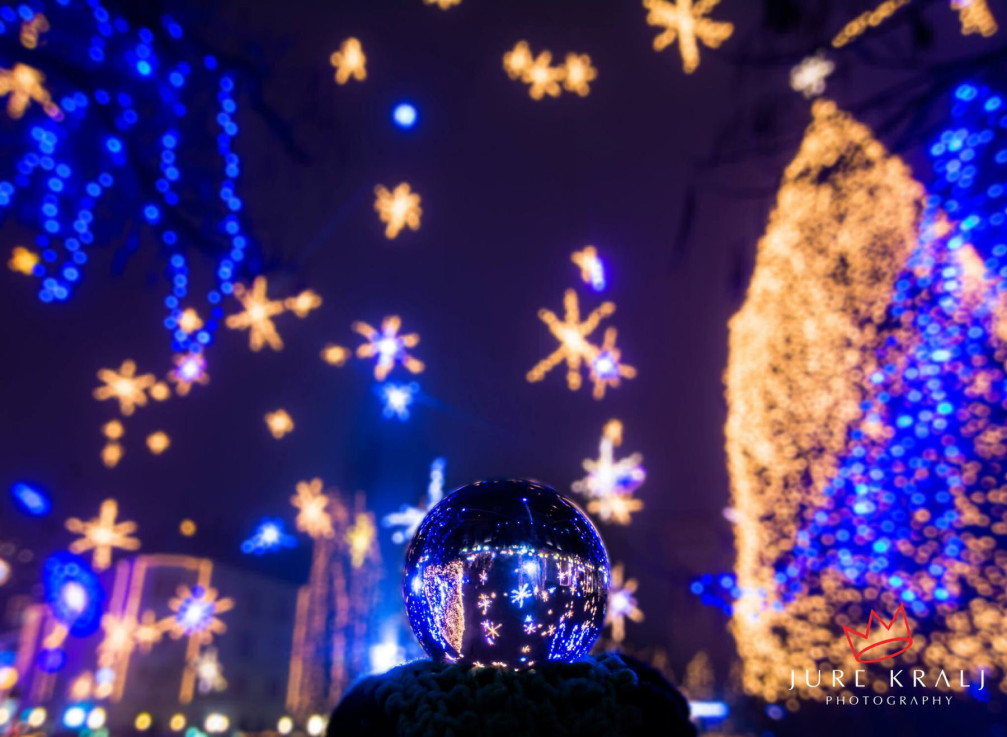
8,678
398,208
177,722
687,23
285,725
592,269
708,709
350,61
5,571
187,528
335,355
216,723
74,596
269,535
96,718
388,346
386,655
158,442
73,717
36,717
397,399
142,722
5,715
23,261
405,115
316,725
279,423
30,499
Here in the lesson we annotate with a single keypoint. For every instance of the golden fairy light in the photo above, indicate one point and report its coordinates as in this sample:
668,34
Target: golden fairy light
312,504
257,316
33,28
572,335
113,430
543,78
101,534
865,21
578,74
388,346
160,392
518,60
335,355
158,442
686,22
22,260
23,85
809,76
111,454
799,348
125,386
360,538
443,4
349,61
187,528
303,303
279,423
975,17
398,209
621,604
189,321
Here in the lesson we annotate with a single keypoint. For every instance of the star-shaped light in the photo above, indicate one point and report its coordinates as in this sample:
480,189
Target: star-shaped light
196,613
279,423
190,369
125,385
621,604
605,367
592,269
117,640
572,336
257,317
313,514
388,346
349,61
809,76
22,85
209,673
685,21
519,595
189,321
22,260
518,60
397,399
542,78
578,74
610,483
398,209
360,537
102,534
303,303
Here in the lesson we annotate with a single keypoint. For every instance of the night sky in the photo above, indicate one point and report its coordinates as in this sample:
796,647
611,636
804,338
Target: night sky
510,188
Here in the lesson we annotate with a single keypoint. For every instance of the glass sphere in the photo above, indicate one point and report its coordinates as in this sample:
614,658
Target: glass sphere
506,574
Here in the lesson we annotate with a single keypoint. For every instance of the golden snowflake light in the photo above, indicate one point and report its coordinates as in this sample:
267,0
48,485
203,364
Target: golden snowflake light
518,60
686,21
22,260
279,423
388,346
360,537
190,369
312,504
572,335
335,355
615,509
189,321
975,17
809,76
117,640
542,78
578,74
23,85
158,442
349,61
621,604
257,317
196,613
398,209
610,483
303,303
101,534
125,386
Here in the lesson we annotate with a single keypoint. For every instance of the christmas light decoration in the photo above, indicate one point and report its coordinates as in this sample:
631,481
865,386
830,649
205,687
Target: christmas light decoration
23,261
312,504
388,346
809,76
187,528
30,499
269,535
592,269
407,520
102,534
621,604
686,22
158,442
23,85
404,114
542,78
605,368
303,303
257,317
336,355
32,28
74,595
189,321
397,399
572,335
113,430
867,20
349,61
361,538
111,454
209,672
196,613
279,423
398,209
578,74
518,60
125,386
190,369
443,4
975,17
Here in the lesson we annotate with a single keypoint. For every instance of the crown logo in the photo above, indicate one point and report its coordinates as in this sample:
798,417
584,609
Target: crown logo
888,640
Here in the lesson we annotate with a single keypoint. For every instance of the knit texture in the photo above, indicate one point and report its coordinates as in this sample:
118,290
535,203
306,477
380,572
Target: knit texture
608,695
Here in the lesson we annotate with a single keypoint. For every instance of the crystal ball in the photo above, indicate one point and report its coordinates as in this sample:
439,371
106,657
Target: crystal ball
506,574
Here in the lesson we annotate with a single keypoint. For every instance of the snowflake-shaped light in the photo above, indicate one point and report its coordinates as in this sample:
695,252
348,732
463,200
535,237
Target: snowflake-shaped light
519,595
398,208
685,20
579,73
279,423
407,519
388,346
118,638
22,260
209,672
257,317
397,399
303,303
196,613
610,483
614,509
101,534
605,369
147,632
22,85
189,321
491,630
592,269
360,537
124,385
518,60
542,78
809,76
349,61
572,336
313,515
190,369
621,604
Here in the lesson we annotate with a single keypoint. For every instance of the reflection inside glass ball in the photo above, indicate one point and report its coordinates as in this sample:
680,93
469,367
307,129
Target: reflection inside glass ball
506,574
